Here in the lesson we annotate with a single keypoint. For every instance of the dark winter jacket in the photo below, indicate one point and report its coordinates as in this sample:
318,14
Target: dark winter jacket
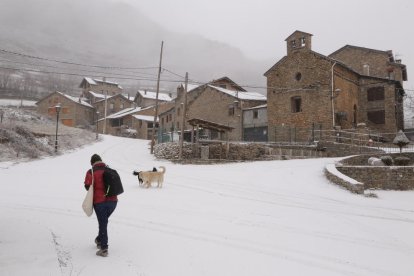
99,187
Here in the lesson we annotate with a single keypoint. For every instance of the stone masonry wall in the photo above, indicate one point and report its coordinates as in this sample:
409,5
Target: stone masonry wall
379,177
253,151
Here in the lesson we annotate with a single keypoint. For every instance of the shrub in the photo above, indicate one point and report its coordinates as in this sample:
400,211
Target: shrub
387,160
402,161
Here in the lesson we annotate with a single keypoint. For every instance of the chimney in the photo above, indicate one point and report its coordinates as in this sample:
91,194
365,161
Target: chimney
365,70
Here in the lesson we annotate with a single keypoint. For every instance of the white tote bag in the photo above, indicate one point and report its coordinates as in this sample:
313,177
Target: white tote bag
87,204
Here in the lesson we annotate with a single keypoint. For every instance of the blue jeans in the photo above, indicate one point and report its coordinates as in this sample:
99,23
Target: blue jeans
103,212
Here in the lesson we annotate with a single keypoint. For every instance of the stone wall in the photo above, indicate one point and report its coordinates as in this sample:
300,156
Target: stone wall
171,151
379,177
255,151
340,179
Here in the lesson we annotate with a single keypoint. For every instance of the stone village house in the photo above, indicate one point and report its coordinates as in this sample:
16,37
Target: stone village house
114,104
148,98
219,102
94,90
74,111
353,85
134,121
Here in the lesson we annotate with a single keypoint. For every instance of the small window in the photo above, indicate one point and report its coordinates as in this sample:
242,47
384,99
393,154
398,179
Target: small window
255,114
116,122
296,103
222,86
121,106
293,43
298,76
376,93
111,106
376,117
231,110
302,41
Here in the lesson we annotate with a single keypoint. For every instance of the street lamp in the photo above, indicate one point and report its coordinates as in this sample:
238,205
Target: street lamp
97,118
58,107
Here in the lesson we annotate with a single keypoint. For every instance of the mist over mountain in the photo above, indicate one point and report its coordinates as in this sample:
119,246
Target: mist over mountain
116,34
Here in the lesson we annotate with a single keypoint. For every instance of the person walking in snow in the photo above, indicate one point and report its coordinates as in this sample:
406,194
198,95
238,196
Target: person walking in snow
103,206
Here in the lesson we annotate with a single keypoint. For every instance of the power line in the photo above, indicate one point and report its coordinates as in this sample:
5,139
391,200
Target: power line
83,70
74,63
80,75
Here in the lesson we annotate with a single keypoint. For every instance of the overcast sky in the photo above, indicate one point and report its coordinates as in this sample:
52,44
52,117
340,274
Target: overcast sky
259,27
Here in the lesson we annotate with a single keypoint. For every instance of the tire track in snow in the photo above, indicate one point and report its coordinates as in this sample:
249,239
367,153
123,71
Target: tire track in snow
307,258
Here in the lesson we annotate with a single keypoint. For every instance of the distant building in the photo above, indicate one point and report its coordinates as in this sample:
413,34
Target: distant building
74,111
94,89
113,104
147,98
255,124
218,102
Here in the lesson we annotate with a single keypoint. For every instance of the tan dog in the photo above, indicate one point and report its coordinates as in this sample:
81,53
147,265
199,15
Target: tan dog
150,177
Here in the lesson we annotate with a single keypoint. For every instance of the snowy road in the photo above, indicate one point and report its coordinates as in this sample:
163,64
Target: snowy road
258,218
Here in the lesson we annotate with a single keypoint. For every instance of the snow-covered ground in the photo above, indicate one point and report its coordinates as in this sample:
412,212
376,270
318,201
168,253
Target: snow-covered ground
254,218
16,102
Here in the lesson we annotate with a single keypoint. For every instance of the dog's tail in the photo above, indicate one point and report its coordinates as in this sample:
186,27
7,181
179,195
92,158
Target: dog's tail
163,169
135,173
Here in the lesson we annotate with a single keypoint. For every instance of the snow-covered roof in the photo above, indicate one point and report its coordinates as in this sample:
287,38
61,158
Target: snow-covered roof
256,107
96,81
128,97
144,118
108,82
102,97
75,99
124,112
153,95
90,81
241,94
97,95
190,87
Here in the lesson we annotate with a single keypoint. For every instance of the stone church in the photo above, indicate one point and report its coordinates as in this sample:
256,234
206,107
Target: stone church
353,85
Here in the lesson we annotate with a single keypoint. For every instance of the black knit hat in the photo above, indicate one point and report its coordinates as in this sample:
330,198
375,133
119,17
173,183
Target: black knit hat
95,158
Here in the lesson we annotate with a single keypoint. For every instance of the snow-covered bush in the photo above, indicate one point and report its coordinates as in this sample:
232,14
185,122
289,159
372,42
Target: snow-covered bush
402,161
401,140
387,160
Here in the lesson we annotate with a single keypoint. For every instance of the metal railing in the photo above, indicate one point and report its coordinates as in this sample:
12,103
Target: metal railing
315,133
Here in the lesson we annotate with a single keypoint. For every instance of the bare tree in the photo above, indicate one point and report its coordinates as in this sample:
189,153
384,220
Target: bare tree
5,77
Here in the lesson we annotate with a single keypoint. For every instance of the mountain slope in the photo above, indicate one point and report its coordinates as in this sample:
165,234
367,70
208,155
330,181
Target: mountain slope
100,32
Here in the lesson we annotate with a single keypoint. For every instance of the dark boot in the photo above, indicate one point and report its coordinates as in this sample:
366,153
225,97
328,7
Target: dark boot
102,252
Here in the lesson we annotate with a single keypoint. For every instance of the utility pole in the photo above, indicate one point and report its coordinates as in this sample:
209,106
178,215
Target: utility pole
106,104
183,117
156,101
